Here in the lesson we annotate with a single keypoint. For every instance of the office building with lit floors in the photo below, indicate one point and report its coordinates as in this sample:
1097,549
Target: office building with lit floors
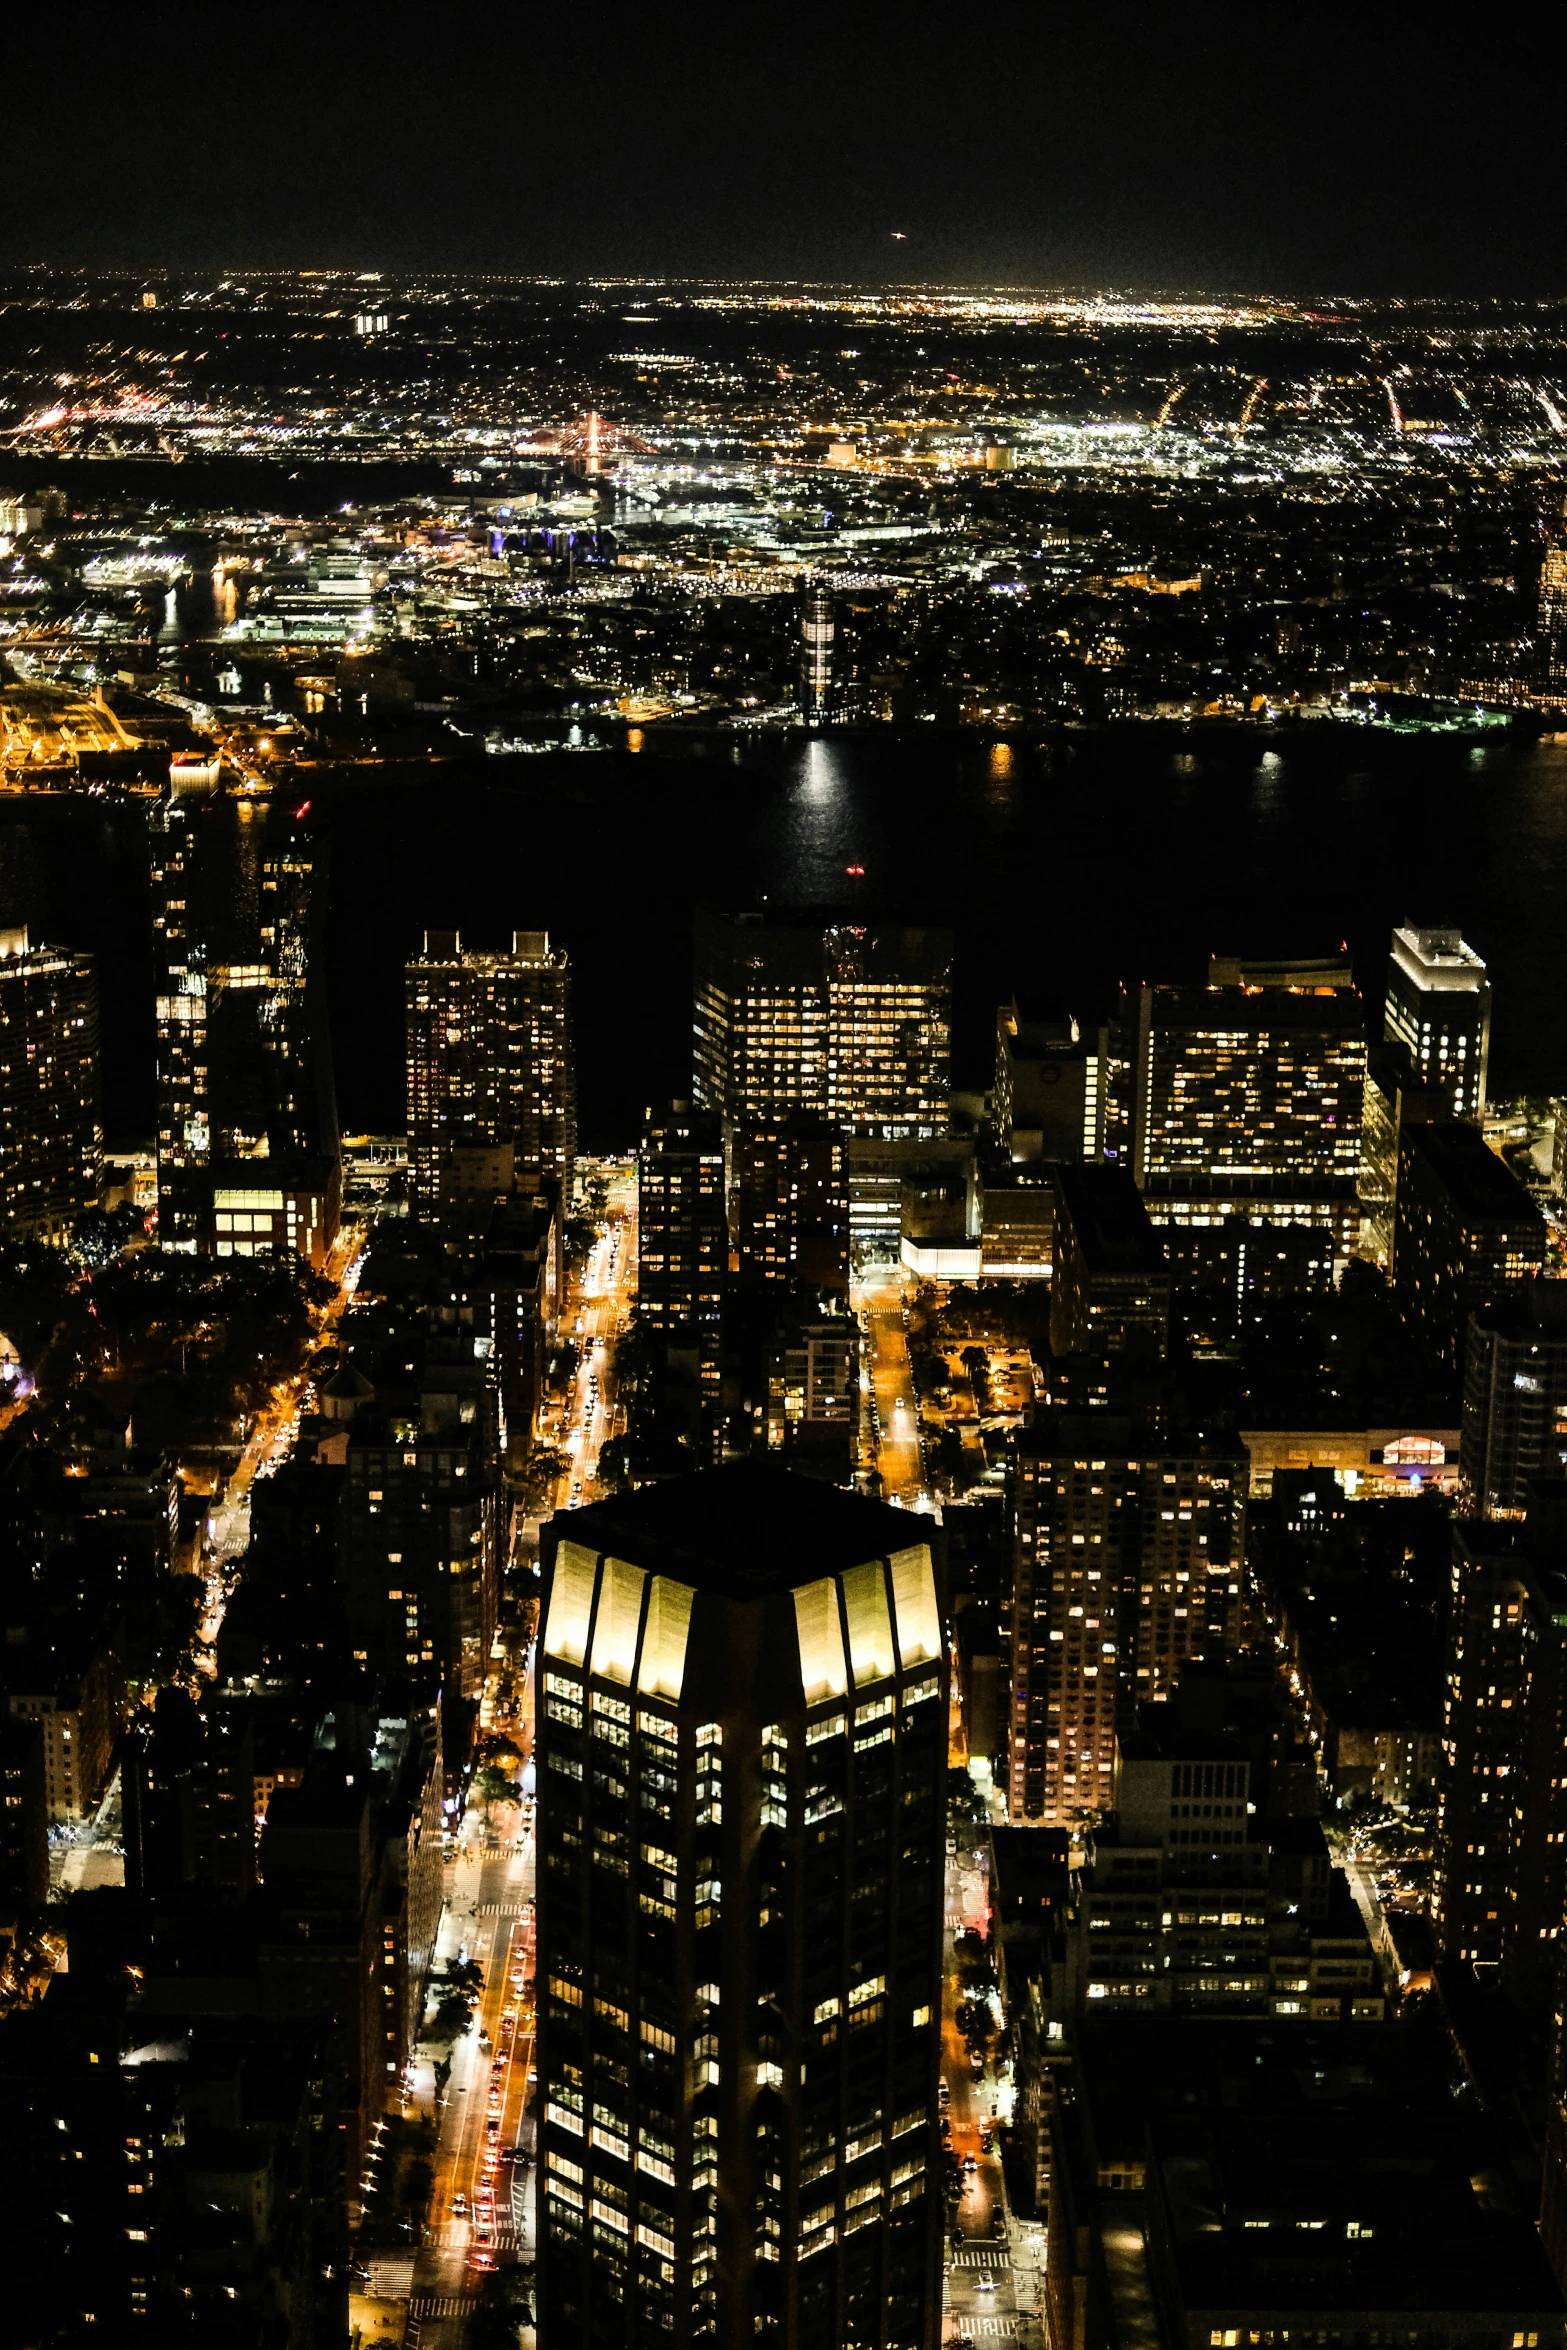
742,1768
1438,1006
490,1059
51,1137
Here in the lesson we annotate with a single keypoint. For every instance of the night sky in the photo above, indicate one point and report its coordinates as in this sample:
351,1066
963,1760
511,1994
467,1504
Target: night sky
1326,149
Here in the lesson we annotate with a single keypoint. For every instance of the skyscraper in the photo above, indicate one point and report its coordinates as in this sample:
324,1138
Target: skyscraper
742,1771
816,643
682,1231
1127,1559
244,1065
791,1187
490,1058
51,1139
850,1020
1248,1081
1111,1285
1515,1398
1465,1233
1051,1086
1439,1007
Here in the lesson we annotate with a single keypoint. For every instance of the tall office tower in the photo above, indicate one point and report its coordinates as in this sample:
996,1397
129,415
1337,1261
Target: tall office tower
1051,1087
1111,1286
850,1020
1439,1007
741,1800
817,630
1500,1890
244,1064
1127,1559
1515,1399
1552,624
1394,1098
791,1190
51,1138
1465,1230
683,1241
490,1058
1248,1081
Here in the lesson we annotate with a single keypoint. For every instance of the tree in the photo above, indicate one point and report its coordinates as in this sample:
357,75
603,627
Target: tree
492,1785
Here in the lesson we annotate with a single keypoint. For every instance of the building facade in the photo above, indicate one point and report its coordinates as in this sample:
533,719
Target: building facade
1128,1558
1438,1006
243,1058
51,1133
1246,1081
1465,1234
742,1762
1515,1399
490,1058
850,1020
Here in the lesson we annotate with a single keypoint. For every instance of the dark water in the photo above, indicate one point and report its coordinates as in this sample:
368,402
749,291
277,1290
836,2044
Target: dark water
1062,871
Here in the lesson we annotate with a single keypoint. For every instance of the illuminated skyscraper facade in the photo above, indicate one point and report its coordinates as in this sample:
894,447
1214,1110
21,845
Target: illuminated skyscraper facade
1248,1081
1127,1560
850,1020
490,1058
243,1062
683,1240
51,1137
1438,1007
742,1766
817,630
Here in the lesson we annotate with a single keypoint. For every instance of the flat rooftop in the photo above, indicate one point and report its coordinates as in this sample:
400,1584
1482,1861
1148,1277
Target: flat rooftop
743,1531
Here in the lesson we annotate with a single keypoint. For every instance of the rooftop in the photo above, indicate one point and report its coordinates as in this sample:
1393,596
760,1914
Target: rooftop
1479,1184
743,1531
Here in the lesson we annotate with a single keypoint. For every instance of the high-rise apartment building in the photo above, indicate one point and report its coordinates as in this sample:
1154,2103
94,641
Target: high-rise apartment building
243,1061
742,1766
791,1198
1127,1559
1438,1006
490,1058
51,1137
850,1020
1500,1892
1247,1081
1515,1398
1465,1231
683,1236
418,1546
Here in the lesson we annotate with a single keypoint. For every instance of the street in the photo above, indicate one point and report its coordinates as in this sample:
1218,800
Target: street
896,1415
991,2291
481,2206
598,1301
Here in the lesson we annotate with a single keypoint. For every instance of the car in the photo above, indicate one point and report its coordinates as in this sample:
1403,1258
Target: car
986,2284
459,2204
970,2162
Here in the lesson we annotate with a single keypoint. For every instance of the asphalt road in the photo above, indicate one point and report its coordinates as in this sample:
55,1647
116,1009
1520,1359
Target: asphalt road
892,1394
986,2296
481,2208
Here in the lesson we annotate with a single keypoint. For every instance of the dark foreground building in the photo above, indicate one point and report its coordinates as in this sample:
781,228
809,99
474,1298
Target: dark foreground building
742,1756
